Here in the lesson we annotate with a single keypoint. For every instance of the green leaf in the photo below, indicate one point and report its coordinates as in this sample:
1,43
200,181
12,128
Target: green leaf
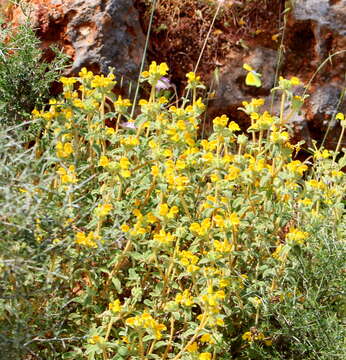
117,284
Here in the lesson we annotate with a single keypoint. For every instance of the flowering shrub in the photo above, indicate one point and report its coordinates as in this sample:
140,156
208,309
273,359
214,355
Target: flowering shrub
162,245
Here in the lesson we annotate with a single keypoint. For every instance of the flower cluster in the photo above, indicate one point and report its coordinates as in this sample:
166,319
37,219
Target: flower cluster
192,233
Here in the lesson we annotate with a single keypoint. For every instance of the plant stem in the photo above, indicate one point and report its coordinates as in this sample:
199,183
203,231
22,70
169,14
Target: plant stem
194,337
339,143
143,57
119,262
282,109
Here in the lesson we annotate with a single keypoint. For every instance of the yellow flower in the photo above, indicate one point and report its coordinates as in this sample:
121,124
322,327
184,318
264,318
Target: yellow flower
96,339
204,356
336,173
103,210
85,74
64,150
297,166
67,176
214,178
233,173
316,184
142,102
160,70
86,240
325,154
207,338
223,283
184,298
279,137
221,121
219,221
125,228
137,213
163,100
103,161
201,229
125,173
173,212
168,153
234,219
297,235
192,347
146,321
120,102
163,237
233,126
130,141
191,77
109,131
208,157
295,81
305,201
153,144
222,247
187,259
151,218
252,77
68,81
163,209
115,306
157,328
155,171
145,74
124,163
247,336
340,116
132,321
100,81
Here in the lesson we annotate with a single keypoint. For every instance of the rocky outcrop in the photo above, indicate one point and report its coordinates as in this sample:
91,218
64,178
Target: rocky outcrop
325,13
103,33
316,31
97,34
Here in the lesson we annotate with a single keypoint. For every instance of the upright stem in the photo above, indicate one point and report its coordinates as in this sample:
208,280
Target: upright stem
339,142
282,109
194,337
206,40
207,37
143,57
141,347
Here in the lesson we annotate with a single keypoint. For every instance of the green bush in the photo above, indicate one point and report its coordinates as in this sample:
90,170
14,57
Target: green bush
142,241
25,78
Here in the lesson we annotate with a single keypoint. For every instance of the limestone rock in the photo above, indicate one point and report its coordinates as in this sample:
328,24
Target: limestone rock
96,33
232,89
326,13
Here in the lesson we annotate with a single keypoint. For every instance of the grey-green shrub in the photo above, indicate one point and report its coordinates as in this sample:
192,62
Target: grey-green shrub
25,78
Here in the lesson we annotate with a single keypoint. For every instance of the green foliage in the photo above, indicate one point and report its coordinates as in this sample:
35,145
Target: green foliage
142,241
25,78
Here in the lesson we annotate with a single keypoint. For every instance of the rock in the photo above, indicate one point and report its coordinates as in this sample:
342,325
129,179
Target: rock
263,60
232,90
324,22
325,13
97,34
315,30
323,103
320,111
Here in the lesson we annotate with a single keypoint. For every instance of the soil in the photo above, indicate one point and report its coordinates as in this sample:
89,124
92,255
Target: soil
180,29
